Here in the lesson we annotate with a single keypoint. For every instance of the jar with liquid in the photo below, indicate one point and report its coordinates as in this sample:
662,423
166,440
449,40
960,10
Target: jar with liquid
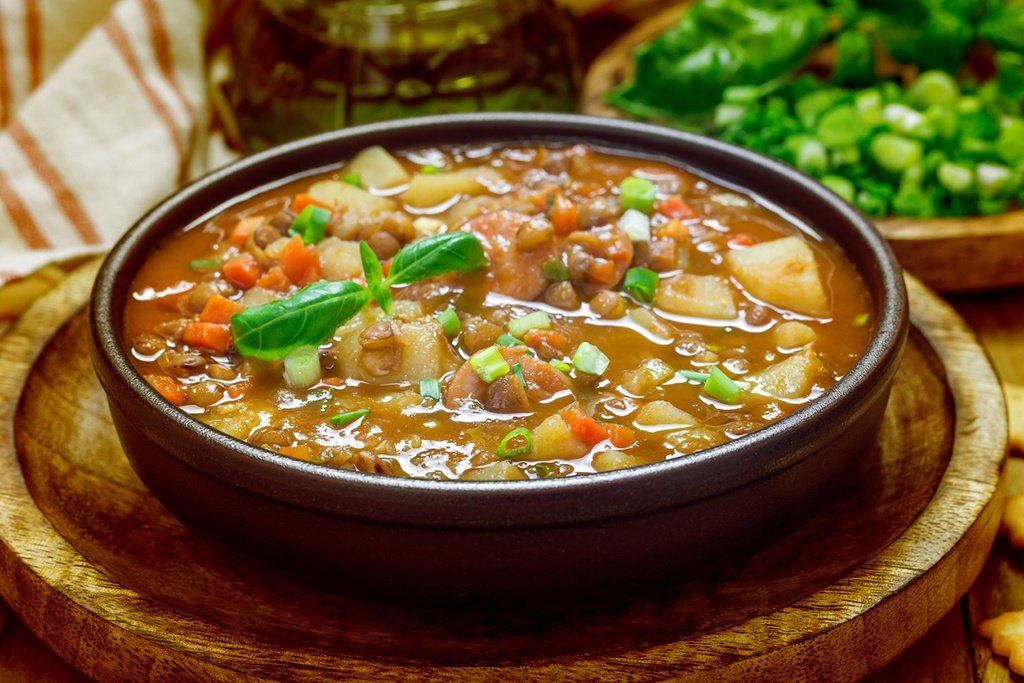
299,67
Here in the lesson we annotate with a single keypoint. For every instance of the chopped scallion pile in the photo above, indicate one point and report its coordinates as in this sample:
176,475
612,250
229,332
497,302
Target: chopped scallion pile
449,321
516,443
310,224
641,283
537,320
430,389
589,359
344,418
489,364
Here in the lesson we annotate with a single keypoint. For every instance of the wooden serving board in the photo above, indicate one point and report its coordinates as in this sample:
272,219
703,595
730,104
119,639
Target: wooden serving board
947,254
104,575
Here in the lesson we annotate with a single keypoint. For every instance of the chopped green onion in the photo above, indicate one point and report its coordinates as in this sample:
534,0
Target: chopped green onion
589,359
430,388
641,283
449,321
489,364
302,367
542,469
554,270
517,442
638,193
353,179
537,320
694,376
560,365
518,369
311,223
992,178
720,386
203,264
861,319
506,339
636,224
344,418
895,153
956,178
429,169
933,87
840,185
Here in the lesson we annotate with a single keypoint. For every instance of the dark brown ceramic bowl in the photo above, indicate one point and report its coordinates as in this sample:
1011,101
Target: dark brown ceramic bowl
583,539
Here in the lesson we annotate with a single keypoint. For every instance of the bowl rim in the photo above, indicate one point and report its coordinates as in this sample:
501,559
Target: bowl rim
457,503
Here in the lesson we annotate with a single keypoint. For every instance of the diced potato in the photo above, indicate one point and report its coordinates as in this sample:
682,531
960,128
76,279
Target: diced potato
349,197
427,353
650,374
650,322
609,460
663,414
552,439
793,335
431,189
425,226
702,296
783,273
790,378
340,259
376,168
503,470
233,419
694,439
257,296
420,349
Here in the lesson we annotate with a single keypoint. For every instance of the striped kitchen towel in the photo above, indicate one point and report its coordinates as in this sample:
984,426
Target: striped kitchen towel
103,112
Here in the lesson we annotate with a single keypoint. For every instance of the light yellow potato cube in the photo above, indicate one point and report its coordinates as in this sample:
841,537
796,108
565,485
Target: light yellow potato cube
783,273
790,378
793,335
609,460
349,197
502,470
340,259
431,189
377,169
552,439
664,415
701,296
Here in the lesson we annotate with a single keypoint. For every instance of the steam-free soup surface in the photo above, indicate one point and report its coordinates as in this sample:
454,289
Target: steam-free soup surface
603,312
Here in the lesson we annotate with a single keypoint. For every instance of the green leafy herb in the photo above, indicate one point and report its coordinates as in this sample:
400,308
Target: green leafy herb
450,252
374,274
310,316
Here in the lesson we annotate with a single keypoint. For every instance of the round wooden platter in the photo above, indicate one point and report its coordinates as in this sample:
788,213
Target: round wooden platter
947,254
103,574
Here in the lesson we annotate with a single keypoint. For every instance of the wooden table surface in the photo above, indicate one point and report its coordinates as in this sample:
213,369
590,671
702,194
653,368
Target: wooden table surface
949,653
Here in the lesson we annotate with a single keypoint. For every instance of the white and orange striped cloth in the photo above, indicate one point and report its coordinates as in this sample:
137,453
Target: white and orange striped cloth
103,112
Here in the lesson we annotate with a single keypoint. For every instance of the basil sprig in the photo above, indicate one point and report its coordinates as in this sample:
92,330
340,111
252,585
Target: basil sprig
315,312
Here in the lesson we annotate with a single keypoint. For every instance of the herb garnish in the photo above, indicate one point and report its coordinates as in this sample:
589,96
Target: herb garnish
311,315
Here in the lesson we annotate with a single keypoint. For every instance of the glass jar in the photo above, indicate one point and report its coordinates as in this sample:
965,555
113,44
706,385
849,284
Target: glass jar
297,67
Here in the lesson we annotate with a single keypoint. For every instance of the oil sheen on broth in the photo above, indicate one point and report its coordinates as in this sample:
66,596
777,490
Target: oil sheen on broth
630,312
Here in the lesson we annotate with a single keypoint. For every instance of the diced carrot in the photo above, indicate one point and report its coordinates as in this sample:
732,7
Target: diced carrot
602,272
168,387
582,425
275,279
236,390
675,207
302,200
741,240
301,452
300,262
620,436
331,381
553,338
219,310
242,270
674,229
564,215
244,228
208,335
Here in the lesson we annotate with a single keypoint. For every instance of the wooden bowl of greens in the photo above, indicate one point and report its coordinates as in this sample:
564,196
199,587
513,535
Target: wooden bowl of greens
912,115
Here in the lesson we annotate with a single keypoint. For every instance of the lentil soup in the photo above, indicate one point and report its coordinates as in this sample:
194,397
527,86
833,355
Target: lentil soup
505,312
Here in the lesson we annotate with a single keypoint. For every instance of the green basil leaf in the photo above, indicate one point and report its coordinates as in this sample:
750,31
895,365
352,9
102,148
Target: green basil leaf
375,277
450,252
310,316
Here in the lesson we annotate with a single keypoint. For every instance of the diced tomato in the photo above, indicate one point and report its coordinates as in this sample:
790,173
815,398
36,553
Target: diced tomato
564,215
244,228
741,240
275,279
219,310
588,429
168,387
620,436
674,207
674,230
553,338
208,335
602,272
301,201
242,270
300,262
